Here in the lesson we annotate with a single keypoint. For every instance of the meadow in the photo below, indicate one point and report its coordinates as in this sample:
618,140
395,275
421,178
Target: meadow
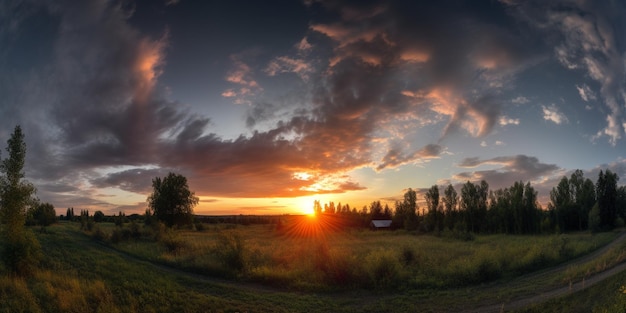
310,257
257,268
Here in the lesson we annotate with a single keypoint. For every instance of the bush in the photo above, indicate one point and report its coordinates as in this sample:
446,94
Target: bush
232,252
135,231
172,242
99,234
488,270
22,254
407,256
199,226
383,269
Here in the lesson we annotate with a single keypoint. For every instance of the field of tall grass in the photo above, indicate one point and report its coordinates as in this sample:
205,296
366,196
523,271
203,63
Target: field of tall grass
315,258
81,271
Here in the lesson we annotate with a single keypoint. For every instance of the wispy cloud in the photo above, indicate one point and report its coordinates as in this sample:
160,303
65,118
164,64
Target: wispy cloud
553,114
588,39
586,93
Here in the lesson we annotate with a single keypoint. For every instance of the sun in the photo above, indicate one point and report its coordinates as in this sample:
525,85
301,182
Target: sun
309,212
305,205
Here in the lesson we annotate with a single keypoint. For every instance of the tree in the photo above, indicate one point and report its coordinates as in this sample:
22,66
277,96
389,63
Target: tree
171,200
42,214
410,208
432,202
21,249
606,191
98,216
450,200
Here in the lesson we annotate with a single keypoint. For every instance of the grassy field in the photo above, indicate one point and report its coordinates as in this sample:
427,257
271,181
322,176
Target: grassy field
313,260
81,274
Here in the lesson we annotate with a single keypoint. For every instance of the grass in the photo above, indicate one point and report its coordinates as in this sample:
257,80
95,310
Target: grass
360,259
80,274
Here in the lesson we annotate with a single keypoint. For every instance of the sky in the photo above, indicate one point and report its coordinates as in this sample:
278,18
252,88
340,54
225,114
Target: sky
266,106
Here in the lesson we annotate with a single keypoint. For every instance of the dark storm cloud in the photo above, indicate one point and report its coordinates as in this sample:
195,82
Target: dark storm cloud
133,180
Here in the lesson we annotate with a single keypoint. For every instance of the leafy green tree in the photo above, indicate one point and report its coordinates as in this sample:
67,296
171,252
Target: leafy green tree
21,249
171,200
42,214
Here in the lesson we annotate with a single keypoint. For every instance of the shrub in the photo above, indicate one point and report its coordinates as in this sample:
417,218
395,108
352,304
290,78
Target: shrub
172,242
135,231
407,256
383,269
231,251
99,234
488,269
22,254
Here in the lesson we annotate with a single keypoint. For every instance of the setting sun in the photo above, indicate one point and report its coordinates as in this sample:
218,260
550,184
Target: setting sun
309,211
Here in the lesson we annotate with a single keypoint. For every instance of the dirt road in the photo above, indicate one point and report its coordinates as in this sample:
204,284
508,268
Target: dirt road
543,295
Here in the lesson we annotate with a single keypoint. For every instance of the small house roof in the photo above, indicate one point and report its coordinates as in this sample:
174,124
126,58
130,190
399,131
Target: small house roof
381,223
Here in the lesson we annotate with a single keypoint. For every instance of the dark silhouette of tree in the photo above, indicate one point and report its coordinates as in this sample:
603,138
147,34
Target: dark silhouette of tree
432,203
98,217
606,191
376,211
387,212
21,249
171,200
411,220
42,214
317,207
450,201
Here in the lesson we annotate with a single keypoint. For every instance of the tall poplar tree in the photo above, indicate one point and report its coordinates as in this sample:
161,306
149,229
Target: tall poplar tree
20,249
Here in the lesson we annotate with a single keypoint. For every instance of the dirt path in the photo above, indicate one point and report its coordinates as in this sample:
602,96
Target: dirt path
542,295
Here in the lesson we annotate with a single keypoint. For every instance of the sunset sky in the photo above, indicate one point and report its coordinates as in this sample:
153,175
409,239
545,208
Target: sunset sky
267,105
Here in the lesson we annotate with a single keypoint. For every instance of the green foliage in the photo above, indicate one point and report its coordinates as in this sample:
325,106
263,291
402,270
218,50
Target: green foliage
383,269
594,219
171,200
232,252
41,214
172,242
21,255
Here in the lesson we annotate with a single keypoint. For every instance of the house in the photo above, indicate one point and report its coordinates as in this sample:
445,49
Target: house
380,224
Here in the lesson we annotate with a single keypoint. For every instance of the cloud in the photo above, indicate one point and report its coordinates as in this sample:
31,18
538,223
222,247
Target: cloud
286,64
437,74
587,36
552,113
503,121
138,180
512,169
396,157
586,93
242,76
520,100
387,69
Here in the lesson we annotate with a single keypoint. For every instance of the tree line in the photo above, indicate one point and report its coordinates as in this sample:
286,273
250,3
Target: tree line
576,204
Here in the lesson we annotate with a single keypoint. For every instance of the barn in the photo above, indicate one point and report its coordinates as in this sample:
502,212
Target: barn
380,224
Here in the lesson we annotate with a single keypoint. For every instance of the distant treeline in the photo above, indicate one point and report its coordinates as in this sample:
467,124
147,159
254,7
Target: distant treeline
576,204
